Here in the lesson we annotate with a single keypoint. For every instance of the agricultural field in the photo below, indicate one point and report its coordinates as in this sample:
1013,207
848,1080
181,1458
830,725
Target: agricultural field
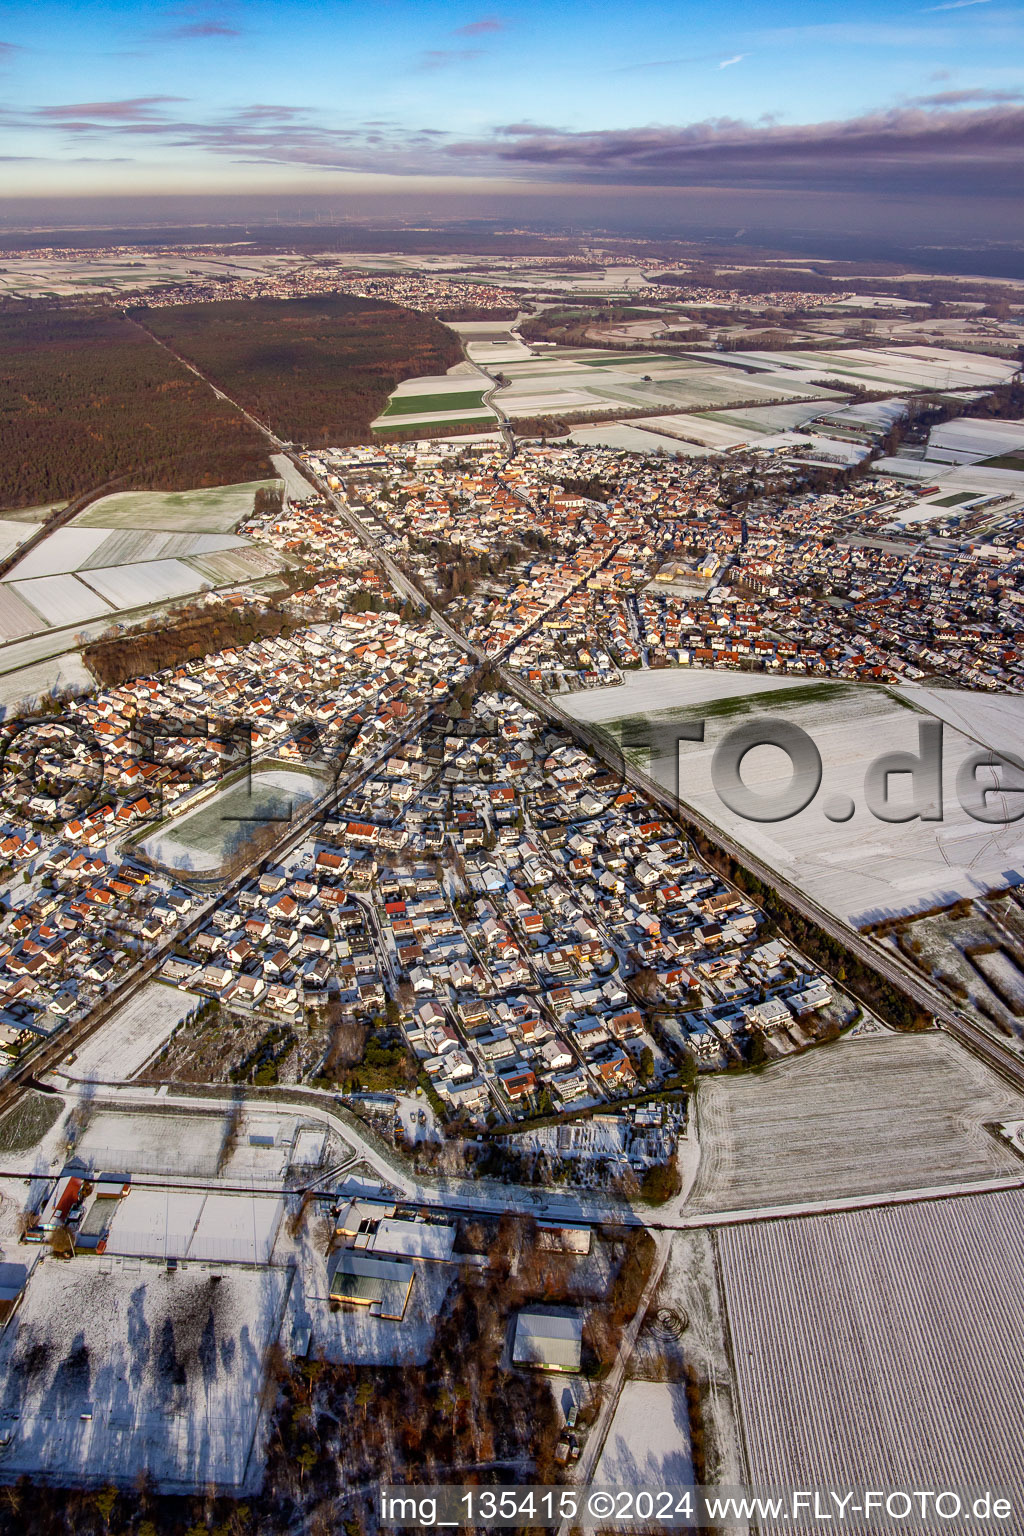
860,869
881,1341
151,581
902,369
29,683
653,692
175,1394
451,399
430,405
634,438
61,600
859,1117
88,572
17,617
132,1036
219,830
209,509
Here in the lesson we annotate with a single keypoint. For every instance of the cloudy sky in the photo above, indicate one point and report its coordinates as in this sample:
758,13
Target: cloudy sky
846,107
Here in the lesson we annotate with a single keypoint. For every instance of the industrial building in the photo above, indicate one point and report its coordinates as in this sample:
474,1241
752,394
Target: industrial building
551,1341
383,1286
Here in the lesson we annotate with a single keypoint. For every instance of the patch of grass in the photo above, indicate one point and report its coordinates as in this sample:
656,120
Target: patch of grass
1002,461
416,405
24,1126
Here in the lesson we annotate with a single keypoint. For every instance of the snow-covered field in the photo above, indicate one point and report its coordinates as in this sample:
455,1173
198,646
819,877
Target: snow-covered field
860,868
634,439
648,1444
211,509
62,599
881,1348
113,1367
900,368
16,617
203,839
132,1036
63,550
855,1118
28,683
155,581
144,1142
671,688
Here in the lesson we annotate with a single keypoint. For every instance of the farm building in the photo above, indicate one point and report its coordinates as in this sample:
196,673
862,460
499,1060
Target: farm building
381,1285
552,1341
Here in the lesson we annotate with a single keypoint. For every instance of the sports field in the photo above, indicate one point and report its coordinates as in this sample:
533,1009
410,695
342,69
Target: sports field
202,840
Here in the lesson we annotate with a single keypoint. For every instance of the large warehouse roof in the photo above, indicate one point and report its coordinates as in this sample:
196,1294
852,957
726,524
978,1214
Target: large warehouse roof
550,1339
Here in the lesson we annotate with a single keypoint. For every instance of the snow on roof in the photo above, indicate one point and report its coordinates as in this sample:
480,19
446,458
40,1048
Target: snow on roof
552,1339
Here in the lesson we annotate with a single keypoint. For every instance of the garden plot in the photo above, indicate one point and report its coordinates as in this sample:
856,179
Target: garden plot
62,599
243,563
126,1141
860,869
881,1341
1004,975
648,1443
113,1369
211,509
132,1035
859,1117
685,1325
963,952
